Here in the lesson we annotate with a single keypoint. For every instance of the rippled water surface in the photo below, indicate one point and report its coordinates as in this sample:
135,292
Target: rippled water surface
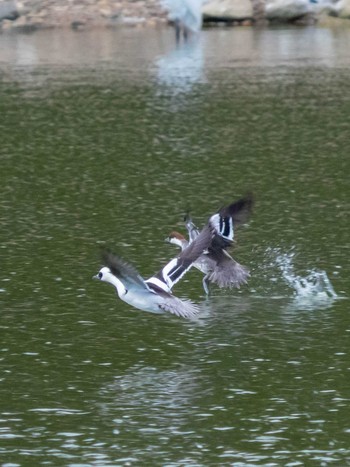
108,138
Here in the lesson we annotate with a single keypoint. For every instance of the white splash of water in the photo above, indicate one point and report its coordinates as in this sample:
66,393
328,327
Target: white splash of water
315,284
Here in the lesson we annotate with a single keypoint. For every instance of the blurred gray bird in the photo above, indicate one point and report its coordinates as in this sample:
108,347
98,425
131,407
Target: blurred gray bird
186,15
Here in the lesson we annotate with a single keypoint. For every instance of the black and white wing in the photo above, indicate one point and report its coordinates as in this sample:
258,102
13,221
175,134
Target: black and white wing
172,272
123,270
228,218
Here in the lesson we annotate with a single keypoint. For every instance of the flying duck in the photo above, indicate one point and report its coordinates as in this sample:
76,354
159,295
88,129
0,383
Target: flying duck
154,294
216,263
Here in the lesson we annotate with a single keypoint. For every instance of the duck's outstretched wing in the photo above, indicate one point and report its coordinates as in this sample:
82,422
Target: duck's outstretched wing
182,308
172,272
122,270
227,273
228,218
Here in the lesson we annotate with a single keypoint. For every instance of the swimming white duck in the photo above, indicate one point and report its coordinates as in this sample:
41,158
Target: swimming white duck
154,294
216,263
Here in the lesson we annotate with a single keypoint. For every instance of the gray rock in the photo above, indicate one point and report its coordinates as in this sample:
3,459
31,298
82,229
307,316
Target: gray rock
287,10
228,10
341,9
8,10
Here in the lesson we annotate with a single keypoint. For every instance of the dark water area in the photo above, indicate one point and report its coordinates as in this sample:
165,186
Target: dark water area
108,138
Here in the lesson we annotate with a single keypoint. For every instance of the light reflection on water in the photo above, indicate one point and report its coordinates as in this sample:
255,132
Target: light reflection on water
228,379
218,48
243,379
183,67
102,146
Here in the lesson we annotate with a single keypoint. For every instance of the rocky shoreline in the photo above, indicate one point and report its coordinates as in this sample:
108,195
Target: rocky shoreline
79,14
30,15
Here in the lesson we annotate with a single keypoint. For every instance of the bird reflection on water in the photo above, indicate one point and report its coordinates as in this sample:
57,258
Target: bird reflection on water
169,396
181,69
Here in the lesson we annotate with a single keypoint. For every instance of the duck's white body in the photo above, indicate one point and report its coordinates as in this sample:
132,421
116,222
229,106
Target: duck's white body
154,294
134,296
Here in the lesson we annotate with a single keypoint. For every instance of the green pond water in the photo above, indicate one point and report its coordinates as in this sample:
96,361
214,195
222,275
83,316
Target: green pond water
108,138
